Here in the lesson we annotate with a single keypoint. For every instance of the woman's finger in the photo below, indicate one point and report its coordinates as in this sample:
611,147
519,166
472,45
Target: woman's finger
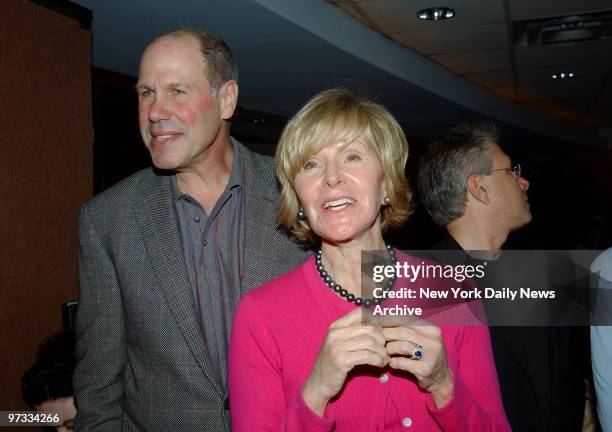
424,332
365,357
366,342
373,332
403,348
406,364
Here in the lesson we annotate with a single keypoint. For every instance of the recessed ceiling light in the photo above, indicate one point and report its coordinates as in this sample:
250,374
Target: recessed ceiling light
436,13
563,75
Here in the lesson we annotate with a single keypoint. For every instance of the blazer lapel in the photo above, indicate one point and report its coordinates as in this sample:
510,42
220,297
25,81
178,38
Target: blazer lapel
530,346
260,198
160,233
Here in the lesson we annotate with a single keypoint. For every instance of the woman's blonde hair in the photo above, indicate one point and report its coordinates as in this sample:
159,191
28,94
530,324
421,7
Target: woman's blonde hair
335,116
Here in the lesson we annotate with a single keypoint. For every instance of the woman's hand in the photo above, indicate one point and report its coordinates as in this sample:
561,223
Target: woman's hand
431,371
346,345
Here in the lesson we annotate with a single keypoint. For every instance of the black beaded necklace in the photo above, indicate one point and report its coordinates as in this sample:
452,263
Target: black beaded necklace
343,292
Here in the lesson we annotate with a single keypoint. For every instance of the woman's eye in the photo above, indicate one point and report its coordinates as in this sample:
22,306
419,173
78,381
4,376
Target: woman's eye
309,165
353,157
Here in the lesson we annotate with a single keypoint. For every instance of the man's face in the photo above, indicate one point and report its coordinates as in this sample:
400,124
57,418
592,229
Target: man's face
64,407
508,192
178,115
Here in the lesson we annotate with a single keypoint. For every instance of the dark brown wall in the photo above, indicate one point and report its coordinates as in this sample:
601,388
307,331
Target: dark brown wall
118,148
45,175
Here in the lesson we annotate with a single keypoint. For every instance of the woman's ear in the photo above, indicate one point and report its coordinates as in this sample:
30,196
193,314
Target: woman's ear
383,193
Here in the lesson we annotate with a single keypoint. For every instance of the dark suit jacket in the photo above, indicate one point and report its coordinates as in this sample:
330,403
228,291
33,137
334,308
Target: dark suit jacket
142,362
538,378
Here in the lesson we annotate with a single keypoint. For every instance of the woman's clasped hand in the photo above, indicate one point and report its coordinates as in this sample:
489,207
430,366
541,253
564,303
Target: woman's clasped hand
348,344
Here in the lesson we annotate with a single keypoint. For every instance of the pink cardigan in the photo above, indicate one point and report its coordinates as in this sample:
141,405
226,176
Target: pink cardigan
277,332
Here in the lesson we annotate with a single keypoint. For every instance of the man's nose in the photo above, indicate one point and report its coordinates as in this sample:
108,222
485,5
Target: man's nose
158,110
523,183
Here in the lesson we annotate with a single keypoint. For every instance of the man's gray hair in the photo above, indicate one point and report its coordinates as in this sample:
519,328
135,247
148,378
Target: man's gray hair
445,167
220,64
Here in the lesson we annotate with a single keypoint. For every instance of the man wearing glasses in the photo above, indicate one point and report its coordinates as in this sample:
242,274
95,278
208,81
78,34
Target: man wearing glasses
471,187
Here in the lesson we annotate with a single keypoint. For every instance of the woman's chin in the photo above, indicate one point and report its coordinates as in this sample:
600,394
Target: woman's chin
347,236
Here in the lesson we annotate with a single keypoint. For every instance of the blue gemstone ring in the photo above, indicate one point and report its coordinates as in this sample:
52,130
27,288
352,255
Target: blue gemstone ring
416,353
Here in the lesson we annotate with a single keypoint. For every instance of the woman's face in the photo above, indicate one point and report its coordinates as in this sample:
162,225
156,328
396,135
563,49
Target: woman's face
342,189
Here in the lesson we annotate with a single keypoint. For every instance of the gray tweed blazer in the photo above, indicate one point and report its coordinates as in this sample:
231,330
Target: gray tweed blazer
141,359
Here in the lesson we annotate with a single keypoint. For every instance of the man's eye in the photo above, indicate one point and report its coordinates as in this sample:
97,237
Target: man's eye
177,91
146,93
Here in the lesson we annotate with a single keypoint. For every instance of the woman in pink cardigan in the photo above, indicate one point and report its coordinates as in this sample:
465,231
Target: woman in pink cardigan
300,359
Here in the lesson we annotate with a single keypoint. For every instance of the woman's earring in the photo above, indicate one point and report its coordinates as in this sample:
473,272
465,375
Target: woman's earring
301,214
386,201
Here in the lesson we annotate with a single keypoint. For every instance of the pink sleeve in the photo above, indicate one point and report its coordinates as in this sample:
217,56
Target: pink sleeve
257,398
476,403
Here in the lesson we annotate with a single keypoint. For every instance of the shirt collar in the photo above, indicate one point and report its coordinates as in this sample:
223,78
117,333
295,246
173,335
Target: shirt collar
235,179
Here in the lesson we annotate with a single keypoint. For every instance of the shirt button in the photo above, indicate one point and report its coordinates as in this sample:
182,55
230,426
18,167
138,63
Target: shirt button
205,242
407,422
197,219
384,378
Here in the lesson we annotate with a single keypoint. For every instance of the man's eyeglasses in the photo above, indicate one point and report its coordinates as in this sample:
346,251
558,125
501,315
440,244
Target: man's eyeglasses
515,170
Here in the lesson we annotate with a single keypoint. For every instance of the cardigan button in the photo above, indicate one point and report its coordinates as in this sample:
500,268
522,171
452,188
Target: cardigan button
407,422
384,378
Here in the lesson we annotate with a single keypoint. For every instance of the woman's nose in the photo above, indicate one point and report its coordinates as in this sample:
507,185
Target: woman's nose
333,174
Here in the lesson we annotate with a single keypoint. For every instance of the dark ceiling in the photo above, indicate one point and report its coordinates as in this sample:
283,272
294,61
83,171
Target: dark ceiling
289,50
513,48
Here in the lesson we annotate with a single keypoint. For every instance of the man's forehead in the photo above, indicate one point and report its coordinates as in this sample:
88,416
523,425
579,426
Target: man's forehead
172,60
173,41
182,50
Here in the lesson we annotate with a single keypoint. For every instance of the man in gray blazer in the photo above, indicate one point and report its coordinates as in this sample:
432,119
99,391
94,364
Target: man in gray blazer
165,255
